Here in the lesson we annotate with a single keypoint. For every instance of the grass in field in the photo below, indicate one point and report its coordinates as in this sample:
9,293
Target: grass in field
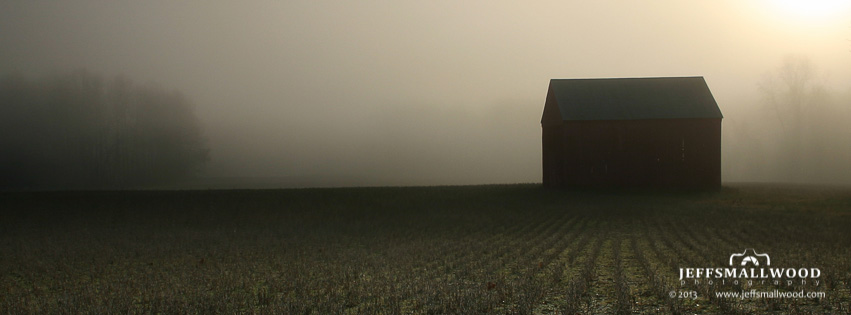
477,249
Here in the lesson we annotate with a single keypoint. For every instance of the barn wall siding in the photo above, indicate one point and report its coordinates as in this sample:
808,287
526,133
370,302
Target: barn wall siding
552,155
676,153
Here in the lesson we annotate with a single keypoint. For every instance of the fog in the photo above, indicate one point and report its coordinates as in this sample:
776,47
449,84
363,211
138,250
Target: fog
337,93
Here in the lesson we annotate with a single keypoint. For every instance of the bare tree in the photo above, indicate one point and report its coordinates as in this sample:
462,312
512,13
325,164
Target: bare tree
788,92
802,108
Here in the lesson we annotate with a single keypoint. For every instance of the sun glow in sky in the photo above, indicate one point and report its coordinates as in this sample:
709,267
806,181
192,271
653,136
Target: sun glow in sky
812,10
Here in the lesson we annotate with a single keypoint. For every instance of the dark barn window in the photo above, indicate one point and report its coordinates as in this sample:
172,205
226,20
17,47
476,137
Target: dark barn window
631,132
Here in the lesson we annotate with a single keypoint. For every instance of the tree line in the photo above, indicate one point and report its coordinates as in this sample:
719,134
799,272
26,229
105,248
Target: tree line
78,130
799,133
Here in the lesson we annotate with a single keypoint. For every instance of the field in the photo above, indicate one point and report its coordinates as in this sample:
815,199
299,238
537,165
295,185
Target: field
471,249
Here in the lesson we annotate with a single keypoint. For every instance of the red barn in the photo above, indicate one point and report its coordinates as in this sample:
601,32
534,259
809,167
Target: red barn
632,132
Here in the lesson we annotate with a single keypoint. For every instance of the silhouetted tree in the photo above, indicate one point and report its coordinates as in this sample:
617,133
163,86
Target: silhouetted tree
78,131
809,123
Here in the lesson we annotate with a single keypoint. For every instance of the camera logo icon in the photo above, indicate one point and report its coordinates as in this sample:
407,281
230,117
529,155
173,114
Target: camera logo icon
749,256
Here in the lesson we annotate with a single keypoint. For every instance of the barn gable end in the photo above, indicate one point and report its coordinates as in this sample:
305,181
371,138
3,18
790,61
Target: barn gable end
631,132
552,113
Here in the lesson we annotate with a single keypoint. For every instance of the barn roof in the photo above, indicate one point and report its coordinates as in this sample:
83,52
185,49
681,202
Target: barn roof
634,98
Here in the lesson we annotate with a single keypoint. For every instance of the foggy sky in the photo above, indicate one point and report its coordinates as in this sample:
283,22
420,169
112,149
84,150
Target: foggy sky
411,92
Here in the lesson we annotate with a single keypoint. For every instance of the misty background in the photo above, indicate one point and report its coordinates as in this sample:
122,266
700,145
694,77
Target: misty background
331,93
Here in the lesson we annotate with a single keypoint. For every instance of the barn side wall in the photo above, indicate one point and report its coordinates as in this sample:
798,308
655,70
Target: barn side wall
553,138
672,153
553,155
